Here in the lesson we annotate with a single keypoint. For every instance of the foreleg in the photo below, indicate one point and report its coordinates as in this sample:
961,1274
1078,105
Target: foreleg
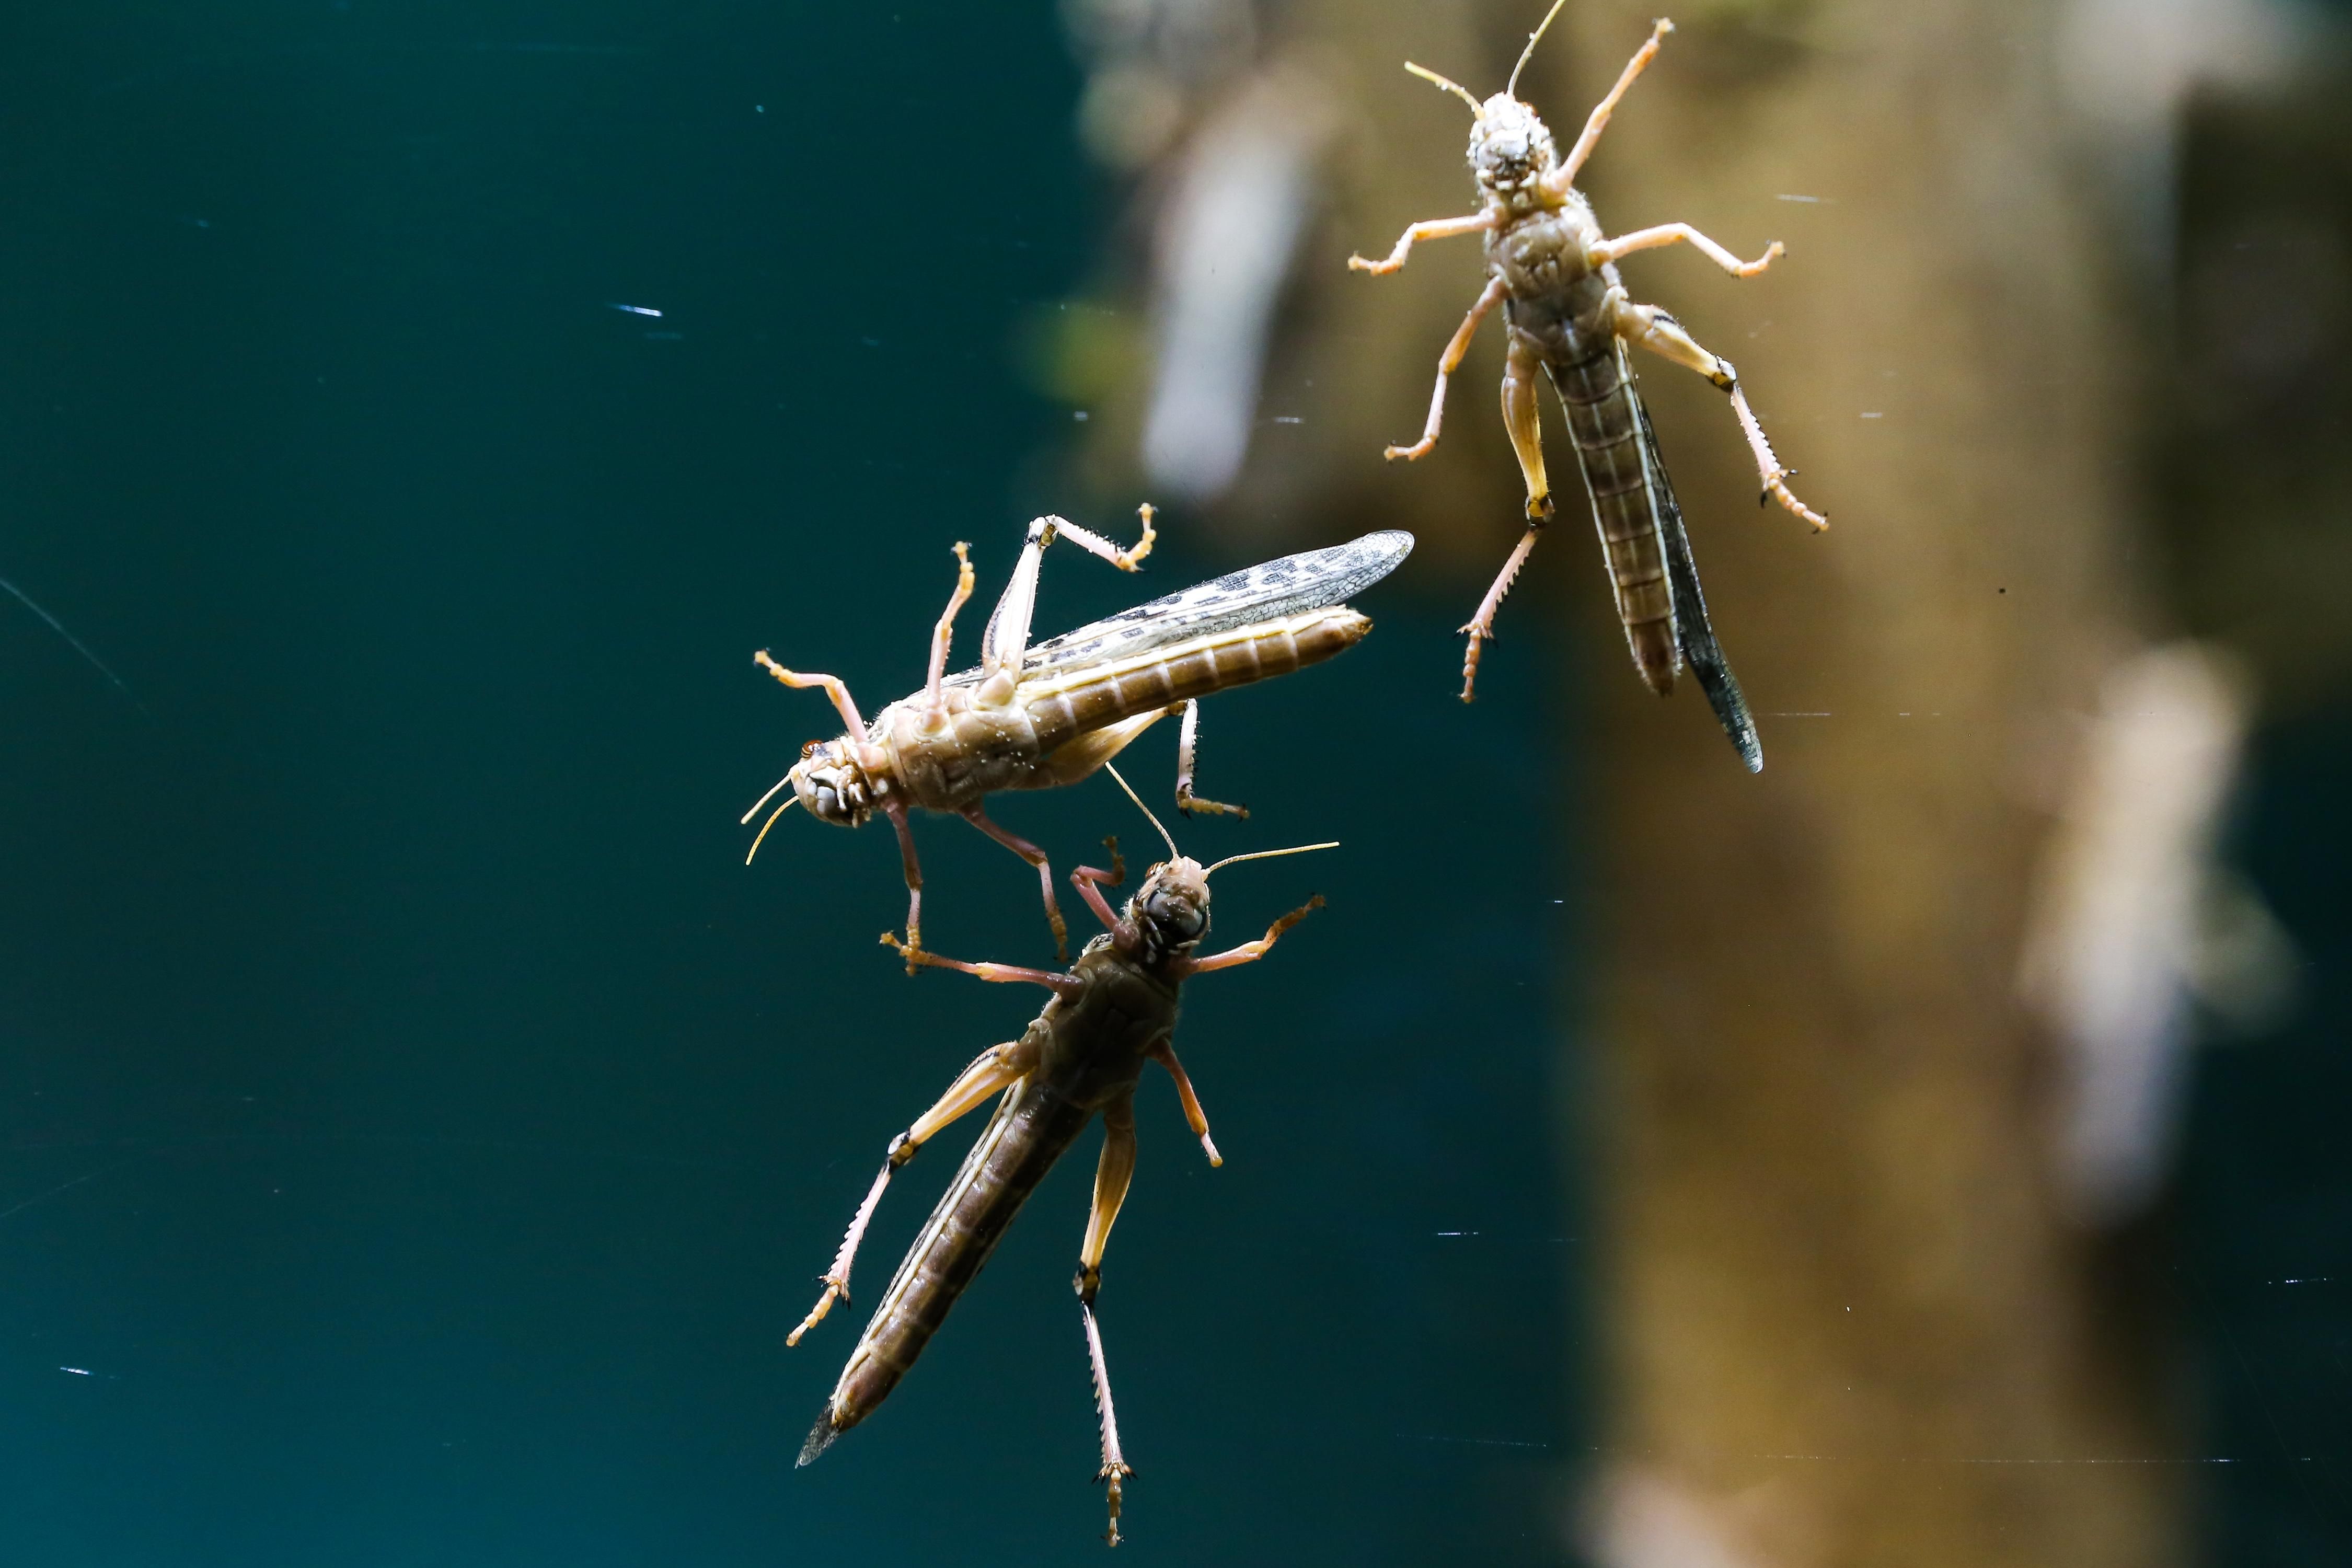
935,717
1187,745
1111,1177
1036,856
1433,229
1648,326
833,688
1624,245
1249,951
1165,1055
1089,882
996,1067
1446,364
1521,419
1598,121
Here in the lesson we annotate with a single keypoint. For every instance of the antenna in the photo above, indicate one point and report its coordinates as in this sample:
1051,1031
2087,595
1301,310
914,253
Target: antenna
1511,88
790,801
764,799
1456,87
1173,853
1267,854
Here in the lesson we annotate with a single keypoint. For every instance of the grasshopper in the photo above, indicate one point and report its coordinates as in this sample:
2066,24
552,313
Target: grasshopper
1037,717
1566,312
1112,1011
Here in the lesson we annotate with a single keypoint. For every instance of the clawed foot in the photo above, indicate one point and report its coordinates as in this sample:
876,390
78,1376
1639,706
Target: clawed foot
912,949
1774,489
1114,1474
1478,638
835,1289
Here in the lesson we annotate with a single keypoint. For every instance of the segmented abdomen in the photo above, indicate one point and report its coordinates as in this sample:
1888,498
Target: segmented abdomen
1029,1131
1066,707
1597,390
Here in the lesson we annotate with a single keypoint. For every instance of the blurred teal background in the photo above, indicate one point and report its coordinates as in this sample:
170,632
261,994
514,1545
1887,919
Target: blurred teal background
421,1129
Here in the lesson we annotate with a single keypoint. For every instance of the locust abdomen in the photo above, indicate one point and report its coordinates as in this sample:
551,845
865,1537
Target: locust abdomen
981,750
1605,421
1030,1130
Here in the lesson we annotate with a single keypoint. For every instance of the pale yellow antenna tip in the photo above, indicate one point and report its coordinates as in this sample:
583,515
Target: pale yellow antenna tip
1267,854
1511,88
790,802
1449,84
1173,853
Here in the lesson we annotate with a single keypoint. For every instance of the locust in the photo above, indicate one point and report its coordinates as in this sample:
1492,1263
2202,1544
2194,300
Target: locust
1566,312
1111,1013
1036,717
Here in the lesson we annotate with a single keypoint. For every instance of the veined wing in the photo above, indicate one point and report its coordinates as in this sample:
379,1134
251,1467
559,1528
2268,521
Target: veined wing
1309,580
1693,630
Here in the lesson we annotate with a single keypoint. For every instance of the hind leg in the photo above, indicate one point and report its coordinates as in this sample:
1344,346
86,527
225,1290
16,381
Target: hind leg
1525,428
1646,326
1116,1169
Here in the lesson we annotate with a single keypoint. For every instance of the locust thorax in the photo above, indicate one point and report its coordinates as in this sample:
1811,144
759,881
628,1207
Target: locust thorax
833,785
1170,911
1510,153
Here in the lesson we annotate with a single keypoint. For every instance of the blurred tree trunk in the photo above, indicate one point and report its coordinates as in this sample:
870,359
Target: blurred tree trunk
1846,1325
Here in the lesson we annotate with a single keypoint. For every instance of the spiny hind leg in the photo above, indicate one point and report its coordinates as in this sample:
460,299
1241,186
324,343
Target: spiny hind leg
935,717
1447,364
1036,856
1006,639
1598,121
1624,245
1112,1173
1521,419
1187,746
1648,326
995,1069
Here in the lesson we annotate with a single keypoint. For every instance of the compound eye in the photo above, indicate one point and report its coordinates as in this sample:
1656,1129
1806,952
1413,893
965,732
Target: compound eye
809,750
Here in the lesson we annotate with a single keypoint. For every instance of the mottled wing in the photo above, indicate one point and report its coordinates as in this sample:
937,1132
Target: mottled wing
1308,580
1692,629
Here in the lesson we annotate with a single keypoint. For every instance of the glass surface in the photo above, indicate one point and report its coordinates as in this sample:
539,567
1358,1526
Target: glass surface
422,1128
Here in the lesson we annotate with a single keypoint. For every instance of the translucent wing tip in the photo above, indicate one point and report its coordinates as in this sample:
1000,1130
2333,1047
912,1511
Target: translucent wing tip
1394,544
820,1438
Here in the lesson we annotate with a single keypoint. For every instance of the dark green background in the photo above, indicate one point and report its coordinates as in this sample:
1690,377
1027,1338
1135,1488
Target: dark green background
421,1128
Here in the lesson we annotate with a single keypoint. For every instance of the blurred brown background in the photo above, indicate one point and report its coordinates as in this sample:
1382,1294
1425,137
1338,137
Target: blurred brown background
1889,1050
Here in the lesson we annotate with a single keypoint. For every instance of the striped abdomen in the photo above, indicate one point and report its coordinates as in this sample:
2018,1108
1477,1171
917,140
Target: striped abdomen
1063,707
1602,416
1030,1130
983,750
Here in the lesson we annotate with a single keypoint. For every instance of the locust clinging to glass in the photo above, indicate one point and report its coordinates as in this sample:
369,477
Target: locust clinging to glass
1112,1011
1566,312
1033,717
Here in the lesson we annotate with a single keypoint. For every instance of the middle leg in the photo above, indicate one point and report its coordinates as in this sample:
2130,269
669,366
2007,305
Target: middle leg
1198,1119
1036,856
1187,745
1646,326
1624,245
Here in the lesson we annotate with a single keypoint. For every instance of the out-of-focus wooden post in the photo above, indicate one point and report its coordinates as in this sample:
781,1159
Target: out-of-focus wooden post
1845,1324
